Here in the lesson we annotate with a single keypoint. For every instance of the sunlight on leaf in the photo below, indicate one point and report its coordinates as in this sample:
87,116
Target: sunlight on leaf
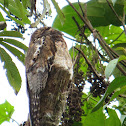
113,2
6,111
122,57
110,67
95,119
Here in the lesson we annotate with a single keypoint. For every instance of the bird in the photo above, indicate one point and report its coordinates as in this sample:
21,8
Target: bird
49,73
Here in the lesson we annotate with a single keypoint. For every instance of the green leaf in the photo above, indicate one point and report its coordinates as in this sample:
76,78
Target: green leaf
124,122
26,3
110,67
113,119
5,3
8,13
69,25
89,103
95,119
118,92
122,57
1,17
113,35
16,43
22,12
119,45
117,72
125,6
11,34
113,2
17,9
15,51
60,13
97,13
116,83
6,111
98,118
11,70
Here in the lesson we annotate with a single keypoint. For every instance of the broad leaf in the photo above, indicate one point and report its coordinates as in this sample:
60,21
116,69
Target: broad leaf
118,92
119,45
11,70
113,35
122,57
110,67
98,118
6,111
116,83
97,13
113,119
124,122
95,119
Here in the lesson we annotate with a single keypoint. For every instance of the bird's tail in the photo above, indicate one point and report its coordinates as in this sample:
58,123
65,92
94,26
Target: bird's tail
35,109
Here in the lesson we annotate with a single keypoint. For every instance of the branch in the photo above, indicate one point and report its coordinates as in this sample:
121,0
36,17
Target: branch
89,64
113,53
74,39
99,37
81,8
122,95
117,15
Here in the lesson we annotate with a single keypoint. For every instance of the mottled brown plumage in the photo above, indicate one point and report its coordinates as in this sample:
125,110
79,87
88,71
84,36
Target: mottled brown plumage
49,71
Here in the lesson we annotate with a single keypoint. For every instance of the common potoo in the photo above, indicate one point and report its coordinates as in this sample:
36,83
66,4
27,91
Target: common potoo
49,72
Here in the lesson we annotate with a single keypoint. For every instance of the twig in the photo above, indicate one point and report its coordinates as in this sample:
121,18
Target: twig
122,95
73,39
76,58
90,27
81,17
117,15
102,70
114,54
81,30
89,64
81,8
15,121
99,37
76,23
117,38
89,43
113,10
34,25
